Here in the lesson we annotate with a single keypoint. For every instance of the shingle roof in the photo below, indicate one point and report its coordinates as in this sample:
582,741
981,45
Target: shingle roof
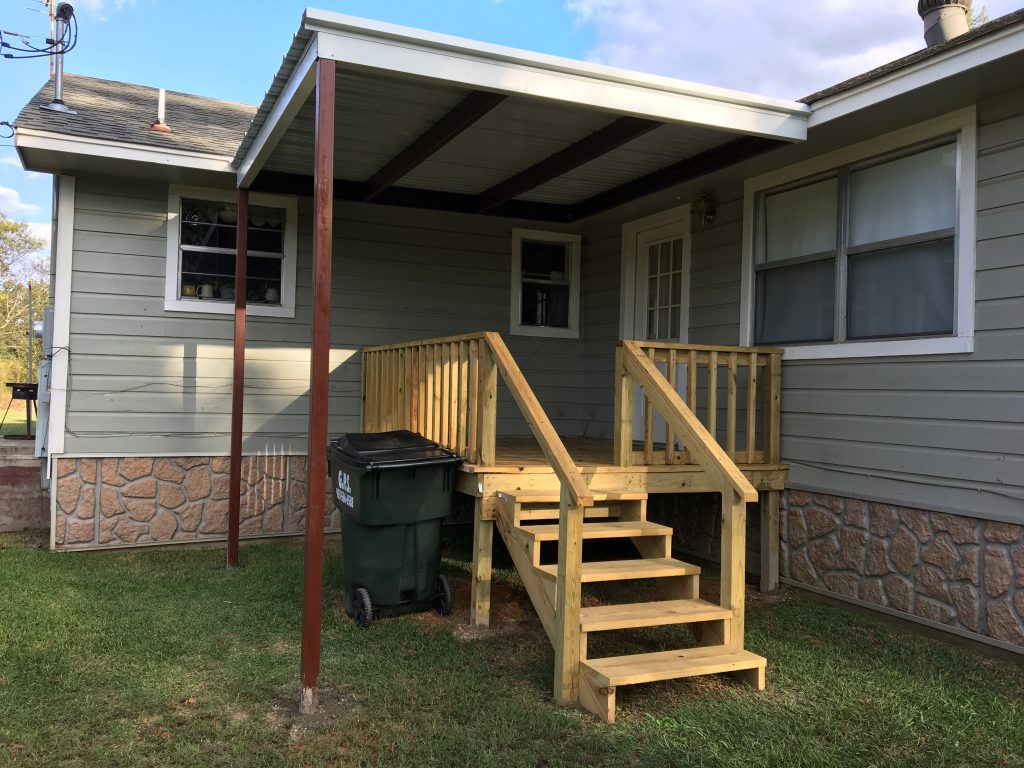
123,112
926,53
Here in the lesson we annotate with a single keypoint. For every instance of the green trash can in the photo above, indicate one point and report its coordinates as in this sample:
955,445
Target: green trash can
393,489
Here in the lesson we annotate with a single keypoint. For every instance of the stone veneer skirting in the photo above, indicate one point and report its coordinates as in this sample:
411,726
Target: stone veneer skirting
955,570
136,500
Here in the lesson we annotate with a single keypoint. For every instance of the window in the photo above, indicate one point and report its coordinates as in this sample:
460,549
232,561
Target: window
872,256
202,232
545,283
664,289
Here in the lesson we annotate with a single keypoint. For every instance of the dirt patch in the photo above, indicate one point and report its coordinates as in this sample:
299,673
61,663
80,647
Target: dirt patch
32,539
511,611
332,705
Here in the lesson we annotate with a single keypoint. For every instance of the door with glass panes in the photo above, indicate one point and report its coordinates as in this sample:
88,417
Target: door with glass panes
662,303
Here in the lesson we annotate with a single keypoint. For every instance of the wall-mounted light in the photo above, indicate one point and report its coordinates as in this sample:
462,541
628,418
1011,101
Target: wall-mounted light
704,210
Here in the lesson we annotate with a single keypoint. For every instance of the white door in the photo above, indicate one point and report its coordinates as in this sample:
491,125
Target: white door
661,300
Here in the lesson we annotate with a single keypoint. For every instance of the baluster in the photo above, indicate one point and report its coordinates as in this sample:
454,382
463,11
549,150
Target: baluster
463,422
713,394
730,413
670,438
474,402
751,406
649,423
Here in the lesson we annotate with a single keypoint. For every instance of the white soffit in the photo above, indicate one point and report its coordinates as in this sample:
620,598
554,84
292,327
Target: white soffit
649,153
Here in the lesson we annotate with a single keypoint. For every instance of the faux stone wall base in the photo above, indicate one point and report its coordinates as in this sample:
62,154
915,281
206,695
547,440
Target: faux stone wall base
951,569
135,500
696,522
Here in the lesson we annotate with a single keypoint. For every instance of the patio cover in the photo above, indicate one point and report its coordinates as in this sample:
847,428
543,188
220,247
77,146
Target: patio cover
440,122
373,112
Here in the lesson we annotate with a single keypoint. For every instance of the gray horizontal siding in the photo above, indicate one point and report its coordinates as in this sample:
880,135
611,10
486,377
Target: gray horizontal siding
937,432
144,380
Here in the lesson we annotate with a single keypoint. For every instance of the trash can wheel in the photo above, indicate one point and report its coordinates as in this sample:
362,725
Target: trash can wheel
443,597
362,607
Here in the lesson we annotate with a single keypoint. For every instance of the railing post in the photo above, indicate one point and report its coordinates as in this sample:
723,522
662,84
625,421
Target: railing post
622,448
567,600
734,562
770,499
488,405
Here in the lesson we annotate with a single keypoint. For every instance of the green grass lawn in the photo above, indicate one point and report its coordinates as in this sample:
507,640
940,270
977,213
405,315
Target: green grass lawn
160,658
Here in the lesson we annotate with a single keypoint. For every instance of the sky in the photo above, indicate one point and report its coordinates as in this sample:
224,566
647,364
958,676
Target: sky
231,49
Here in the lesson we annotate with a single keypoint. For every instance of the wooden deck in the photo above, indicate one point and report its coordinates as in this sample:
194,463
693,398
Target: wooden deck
520,465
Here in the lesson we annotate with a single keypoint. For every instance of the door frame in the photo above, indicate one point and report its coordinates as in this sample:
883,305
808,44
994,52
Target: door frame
632,231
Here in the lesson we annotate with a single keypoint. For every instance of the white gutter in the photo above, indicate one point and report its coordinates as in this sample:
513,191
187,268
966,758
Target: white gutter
294,94
30,138
359,43
957,60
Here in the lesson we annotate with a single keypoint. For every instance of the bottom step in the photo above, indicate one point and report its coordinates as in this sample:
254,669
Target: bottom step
669,665
599,677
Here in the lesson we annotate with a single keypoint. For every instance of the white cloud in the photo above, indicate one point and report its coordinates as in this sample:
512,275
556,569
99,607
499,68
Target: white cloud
11,204
786,48
14,162
102,8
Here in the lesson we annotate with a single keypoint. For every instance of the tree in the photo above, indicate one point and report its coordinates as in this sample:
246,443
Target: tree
20,268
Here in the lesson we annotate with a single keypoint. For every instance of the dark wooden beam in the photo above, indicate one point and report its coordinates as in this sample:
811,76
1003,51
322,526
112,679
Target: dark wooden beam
408,197
319,370
459,118
694,167
238,376
613,135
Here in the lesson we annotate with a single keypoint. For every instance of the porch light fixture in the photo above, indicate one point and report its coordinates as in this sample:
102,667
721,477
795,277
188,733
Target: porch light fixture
704,210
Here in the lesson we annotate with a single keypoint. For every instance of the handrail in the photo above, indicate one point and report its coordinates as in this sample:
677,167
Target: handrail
742,411
550,443
446,389
700,442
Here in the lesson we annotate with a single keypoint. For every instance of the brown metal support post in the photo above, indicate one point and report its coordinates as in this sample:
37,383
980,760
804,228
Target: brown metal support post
238,376
316,455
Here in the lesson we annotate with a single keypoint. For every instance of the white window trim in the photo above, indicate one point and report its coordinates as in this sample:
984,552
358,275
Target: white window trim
629,325
173,303
515,316
963,123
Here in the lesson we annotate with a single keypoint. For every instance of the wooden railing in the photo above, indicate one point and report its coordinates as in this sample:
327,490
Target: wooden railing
636,364
733,391
447,390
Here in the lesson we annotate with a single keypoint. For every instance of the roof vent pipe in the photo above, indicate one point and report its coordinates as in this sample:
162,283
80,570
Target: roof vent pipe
944,19
161,105
63,16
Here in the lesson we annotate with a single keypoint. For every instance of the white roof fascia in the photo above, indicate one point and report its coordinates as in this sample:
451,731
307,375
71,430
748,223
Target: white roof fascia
29,138
359,43
296,90
956,60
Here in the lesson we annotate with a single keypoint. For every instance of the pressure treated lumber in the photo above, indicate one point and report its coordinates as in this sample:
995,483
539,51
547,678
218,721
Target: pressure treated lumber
601,618
670,665
622,570
611,530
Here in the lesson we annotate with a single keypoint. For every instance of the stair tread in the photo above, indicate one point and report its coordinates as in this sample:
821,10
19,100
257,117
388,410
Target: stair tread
654,614
544,497
619,570
549,513
600,530
669,665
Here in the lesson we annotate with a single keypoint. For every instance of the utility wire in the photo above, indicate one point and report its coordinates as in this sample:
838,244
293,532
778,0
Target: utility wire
27,50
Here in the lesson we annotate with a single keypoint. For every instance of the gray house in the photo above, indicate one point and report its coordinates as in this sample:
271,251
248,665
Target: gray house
857,256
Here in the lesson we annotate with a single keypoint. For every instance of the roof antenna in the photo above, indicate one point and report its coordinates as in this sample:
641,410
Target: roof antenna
64,15
159,124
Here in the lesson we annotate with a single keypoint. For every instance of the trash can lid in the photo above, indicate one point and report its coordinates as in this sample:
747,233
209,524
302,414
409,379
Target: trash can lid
401,448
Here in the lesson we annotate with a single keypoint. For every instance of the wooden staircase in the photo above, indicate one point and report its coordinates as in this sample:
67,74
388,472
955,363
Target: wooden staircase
447,390
524,522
